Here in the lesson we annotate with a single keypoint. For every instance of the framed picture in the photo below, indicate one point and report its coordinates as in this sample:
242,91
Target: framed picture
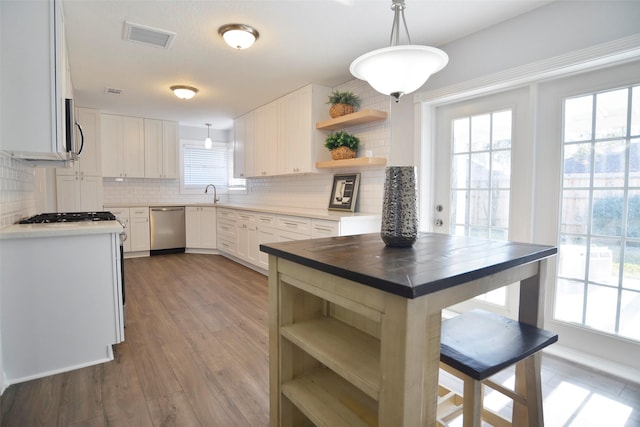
344,192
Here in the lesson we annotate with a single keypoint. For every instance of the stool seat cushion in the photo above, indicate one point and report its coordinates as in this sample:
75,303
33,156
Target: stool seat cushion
480,343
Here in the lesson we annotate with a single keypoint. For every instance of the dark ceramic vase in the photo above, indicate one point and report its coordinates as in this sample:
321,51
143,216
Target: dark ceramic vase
399,207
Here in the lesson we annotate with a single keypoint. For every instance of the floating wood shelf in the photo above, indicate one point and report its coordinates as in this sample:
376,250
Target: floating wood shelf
353,119
347,163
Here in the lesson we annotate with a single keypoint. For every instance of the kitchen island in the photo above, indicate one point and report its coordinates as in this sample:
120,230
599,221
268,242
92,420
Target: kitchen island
61,304
354,326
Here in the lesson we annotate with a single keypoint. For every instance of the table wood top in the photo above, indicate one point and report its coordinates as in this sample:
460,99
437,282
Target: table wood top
434,262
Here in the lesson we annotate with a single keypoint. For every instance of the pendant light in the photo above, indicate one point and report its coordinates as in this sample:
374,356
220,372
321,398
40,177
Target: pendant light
398,69
207,142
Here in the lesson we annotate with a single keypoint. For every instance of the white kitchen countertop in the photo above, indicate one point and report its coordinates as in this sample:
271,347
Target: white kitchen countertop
276,210
58,229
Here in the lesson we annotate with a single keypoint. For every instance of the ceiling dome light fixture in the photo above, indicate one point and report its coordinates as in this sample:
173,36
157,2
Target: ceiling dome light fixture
184,92
238,36
207,142
398,69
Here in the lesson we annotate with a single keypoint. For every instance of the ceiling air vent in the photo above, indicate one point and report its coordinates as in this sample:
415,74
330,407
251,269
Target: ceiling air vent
146,35
112,91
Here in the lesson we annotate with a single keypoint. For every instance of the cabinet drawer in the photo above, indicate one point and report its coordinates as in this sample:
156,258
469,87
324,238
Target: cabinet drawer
139,212
266,220
322,228
296,224
226,213
246,216
226,245
226,228
121,213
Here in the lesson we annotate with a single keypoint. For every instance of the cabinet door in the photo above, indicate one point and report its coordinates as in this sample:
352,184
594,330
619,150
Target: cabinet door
170,141
192,226
302,144
68,196
271,139
90,160
123,215
253,249
140,234
259,142
133,147
239,147
153,148
242,240
90,193
265,235
32,78
208,228
111,145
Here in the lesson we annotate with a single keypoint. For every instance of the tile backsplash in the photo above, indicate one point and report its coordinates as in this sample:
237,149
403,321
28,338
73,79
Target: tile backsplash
17,190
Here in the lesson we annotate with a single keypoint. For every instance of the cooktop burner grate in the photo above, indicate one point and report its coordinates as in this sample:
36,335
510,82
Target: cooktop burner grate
54,217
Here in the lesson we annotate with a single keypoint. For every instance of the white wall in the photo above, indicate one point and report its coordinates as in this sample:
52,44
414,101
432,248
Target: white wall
546,32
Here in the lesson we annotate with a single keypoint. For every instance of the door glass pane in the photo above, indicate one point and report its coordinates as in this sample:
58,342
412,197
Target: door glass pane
611,113
568,305
578,116
461,135
598,283
635,112
481,180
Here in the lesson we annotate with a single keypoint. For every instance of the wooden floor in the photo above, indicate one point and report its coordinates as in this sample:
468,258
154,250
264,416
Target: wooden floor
196,354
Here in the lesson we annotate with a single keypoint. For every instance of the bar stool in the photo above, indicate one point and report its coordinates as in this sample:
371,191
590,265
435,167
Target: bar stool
478,344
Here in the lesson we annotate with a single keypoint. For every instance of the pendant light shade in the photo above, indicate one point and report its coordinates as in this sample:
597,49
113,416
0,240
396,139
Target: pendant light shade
239,36
207,142
398,69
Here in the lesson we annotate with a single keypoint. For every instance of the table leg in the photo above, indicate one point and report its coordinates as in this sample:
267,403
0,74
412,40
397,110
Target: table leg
528,381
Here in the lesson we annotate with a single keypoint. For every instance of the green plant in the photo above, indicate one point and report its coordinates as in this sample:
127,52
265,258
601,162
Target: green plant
342,139
348,98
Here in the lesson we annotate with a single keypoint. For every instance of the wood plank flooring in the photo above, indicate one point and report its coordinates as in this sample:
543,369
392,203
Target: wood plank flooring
196,354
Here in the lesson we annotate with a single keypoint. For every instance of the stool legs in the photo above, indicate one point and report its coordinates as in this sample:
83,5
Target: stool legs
528,384
472,402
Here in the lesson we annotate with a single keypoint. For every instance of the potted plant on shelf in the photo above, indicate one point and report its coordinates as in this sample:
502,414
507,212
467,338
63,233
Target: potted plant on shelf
342,145
342,103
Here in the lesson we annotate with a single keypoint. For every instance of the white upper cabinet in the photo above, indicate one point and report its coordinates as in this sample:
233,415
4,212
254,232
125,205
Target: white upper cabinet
90,160
160,149
243,142
33,78
280,138
122,146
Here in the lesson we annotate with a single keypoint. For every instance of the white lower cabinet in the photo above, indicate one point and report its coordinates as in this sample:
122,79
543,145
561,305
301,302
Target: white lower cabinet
226,237
141,236
136,221
200,223
241,231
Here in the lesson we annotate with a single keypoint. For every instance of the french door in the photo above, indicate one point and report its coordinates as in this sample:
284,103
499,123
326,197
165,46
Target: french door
556,163
482,176
590,125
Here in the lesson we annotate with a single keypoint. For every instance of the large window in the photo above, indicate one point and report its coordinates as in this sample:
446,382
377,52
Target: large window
599,266
201,167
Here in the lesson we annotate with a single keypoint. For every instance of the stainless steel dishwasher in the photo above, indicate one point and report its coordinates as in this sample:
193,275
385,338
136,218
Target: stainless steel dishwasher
167,229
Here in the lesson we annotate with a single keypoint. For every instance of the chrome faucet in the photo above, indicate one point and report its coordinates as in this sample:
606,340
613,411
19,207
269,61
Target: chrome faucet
215,193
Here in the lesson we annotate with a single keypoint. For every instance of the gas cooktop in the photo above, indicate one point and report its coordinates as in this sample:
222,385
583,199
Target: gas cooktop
53,217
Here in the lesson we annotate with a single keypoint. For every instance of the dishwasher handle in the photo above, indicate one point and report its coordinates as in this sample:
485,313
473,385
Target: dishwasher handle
179,208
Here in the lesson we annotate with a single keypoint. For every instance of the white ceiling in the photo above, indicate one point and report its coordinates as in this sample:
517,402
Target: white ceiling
301,41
